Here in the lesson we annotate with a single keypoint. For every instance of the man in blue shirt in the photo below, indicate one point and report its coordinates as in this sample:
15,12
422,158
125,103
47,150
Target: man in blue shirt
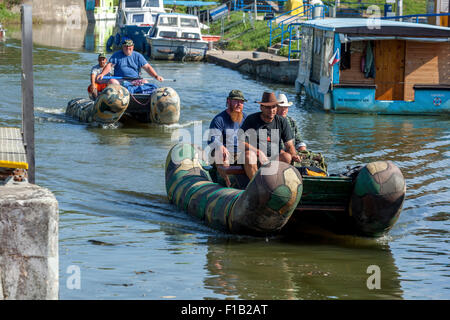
223,132
128,63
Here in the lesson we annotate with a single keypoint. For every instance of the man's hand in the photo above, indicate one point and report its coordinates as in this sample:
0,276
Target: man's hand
296,158
99,77
262,157
225,155
159,78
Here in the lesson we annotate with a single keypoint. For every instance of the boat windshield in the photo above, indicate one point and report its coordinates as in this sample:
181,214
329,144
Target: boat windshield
188,22
151,3
137,18
168,21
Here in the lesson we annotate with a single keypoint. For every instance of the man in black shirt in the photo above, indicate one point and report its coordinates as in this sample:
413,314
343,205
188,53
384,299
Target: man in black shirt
263,133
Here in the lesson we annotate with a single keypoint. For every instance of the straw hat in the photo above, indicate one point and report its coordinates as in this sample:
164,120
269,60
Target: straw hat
284,101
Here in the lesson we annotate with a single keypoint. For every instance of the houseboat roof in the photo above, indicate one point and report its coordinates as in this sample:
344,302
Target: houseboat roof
190,3
362,26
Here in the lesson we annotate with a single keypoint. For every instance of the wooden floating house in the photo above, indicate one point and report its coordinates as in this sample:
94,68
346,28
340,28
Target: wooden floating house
375,66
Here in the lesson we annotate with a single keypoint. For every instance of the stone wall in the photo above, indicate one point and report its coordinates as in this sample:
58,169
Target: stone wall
70,12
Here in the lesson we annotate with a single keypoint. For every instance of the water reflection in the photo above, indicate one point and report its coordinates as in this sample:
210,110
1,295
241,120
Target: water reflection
79,37
278,270
97,35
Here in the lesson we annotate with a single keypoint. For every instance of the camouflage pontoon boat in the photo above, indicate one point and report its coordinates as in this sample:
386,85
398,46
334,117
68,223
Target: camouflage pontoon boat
366,202
115,103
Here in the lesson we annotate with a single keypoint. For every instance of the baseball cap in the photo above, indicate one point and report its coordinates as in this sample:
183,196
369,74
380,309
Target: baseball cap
128,43
101,55
236,95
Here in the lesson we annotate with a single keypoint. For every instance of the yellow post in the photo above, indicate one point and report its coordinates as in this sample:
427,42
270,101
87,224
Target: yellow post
292,4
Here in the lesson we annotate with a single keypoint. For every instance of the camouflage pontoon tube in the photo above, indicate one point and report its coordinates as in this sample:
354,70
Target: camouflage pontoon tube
377,198
108,107
165,106
262,208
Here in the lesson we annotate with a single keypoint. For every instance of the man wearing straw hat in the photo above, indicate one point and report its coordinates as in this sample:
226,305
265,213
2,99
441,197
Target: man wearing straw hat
264,132
307,158
282,110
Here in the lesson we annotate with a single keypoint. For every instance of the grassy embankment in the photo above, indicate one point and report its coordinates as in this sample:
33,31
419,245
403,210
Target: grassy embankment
6,16
243,37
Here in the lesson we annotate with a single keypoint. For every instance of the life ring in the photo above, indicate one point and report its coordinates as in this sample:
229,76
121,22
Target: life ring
437,101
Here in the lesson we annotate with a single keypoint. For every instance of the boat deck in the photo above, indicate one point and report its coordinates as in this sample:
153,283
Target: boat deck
12,149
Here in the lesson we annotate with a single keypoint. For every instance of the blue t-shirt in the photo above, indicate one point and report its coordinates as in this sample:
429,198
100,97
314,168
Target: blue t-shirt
127,66
228,130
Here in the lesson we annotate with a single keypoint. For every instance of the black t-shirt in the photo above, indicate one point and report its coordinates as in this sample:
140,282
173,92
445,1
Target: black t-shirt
262,139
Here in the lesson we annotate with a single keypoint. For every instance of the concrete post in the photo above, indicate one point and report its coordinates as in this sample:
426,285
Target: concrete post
28,242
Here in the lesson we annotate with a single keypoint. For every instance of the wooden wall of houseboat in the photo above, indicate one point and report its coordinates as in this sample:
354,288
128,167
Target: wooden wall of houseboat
426,63
390,69
354,74
400,65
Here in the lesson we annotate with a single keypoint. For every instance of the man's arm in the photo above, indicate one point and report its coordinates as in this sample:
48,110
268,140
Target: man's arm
93,76
291,149
106,70
147,67
297,135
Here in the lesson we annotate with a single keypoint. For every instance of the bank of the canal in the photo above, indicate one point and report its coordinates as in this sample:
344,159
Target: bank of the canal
263,65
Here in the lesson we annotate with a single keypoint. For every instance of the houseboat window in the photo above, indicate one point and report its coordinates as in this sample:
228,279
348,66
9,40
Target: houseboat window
151,3
190,35
192,23
138,18
132,3
168,34
168,21
316,56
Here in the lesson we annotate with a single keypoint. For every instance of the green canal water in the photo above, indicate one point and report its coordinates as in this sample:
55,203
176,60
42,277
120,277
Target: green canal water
119,234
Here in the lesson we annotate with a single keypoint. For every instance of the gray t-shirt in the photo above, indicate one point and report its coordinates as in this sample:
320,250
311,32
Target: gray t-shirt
97,70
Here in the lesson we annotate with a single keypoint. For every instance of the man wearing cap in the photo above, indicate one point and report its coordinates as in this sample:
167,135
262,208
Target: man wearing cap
223,131
282,110
128,63
95,87
265,131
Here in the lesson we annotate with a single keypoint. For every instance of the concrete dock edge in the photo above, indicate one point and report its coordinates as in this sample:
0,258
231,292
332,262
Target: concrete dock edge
266,66
28,243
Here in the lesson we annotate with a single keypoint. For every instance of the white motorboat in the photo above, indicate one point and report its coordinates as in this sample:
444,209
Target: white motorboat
176,36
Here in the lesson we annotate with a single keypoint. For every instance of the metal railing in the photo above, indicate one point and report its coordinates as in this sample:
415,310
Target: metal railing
291,27
306,10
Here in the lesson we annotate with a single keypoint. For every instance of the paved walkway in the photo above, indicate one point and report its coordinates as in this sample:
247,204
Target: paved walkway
238,56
